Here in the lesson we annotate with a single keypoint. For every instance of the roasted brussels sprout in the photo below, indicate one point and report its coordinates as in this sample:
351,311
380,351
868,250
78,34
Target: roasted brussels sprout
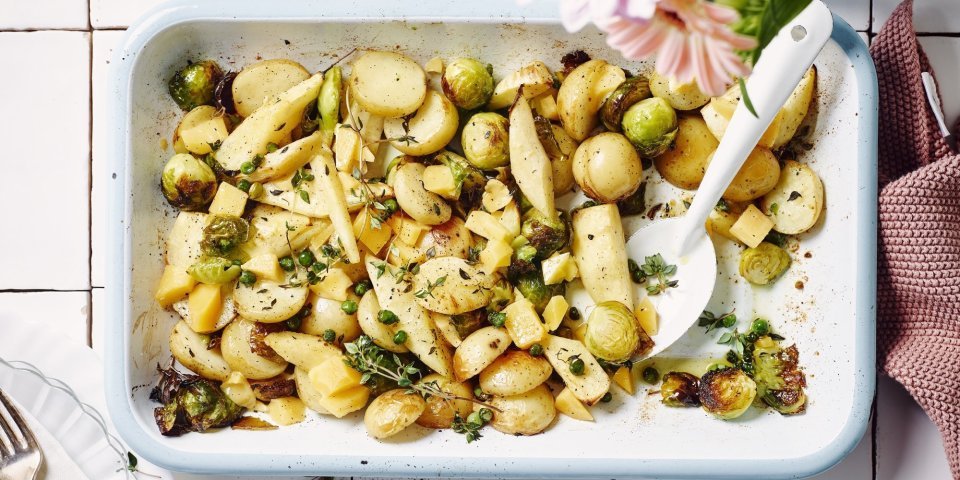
194,84
485,141
469,181
188,183
780,382
223,94
635,204
546,235
502,295
214,270
727,392
631,91
467,323
468,83
328,103
190,404
532,288
223,234
764,263
651,126
612,333
680,389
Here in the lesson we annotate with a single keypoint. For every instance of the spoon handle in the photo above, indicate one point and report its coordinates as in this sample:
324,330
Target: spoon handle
776,74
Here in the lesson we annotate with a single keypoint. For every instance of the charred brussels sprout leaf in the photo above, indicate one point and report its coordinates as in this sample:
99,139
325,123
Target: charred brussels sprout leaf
469,181
625,96
502,295
468,83
223,93
545,234
194,85
635,204
188,183
780,382
486,140
727,392
651,126
612,332
532,288
467,323
680,389
214,270
764,263
223,234
191,404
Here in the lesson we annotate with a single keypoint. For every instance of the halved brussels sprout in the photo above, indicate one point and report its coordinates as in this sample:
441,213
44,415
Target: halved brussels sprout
680,389
780,381
214,270
546,235
727,393
764,263
485,141
187,183
468,83
651,126
223,234
612,332
194,85
631,91
191,404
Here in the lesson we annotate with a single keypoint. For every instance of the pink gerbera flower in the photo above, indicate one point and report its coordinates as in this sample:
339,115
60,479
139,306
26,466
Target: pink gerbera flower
690,39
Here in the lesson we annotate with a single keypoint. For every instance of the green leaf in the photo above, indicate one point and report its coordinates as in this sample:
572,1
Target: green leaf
725,338
746,97
777,15
131,462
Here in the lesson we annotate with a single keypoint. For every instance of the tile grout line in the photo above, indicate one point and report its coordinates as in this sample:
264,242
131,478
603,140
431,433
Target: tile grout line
90,178
43,290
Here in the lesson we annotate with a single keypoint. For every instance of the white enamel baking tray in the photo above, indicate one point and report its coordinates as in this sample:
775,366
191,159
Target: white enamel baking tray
831,319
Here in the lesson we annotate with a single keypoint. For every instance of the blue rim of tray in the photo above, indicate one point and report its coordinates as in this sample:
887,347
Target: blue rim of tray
117,379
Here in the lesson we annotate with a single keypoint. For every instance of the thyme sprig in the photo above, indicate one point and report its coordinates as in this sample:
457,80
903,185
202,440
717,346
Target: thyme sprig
428,290
712,322
655,267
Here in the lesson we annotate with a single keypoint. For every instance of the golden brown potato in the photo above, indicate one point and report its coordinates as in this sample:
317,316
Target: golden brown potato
684,164
440,412
758,175
513,373
393,411
526,414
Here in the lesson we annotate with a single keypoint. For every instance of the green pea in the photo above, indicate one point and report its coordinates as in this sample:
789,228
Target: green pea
400,337
574,313
272,147
349,307
329,335
244,185
392,205
536,350
486,414
293,324
286,263
256,190
607,397
497,319
577,366
305,258
236,262
247,167
362,287
760,327
387,317
651,375
248,278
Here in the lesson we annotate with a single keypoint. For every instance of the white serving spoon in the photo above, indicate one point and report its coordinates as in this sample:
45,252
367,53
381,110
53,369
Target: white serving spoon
683,241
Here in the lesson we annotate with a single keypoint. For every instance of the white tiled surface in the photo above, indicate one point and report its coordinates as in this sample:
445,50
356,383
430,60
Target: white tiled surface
54,178
38,14
46,123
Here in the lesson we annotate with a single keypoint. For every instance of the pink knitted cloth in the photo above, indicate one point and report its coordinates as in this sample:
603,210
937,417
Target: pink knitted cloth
918,287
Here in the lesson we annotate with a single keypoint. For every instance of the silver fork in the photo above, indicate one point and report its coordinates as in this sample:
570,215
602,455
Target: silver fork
20,456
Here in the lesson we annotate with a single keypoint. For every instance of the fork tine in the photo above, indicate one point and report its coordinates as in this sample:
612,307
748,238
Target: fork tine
21,424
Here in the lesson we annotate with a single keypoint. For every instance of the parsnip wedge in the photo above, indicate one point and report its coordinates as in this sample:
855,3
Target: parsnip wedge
529,161
328,180
589,387
288,158
396,295
267,124
601,253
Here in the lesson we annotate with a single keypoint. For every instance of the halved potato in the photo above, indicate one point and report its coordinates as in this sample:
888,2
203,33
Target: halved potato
440,412
681,96
237,348
192,350
228,310
380,333
307,392
423,206
326,314
796,201
535,78
301,349
387,84
268,301
263,81
758,175
528,413
428,131
183,242
513,373
582,93
685,162
479,350
452,286
796,108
